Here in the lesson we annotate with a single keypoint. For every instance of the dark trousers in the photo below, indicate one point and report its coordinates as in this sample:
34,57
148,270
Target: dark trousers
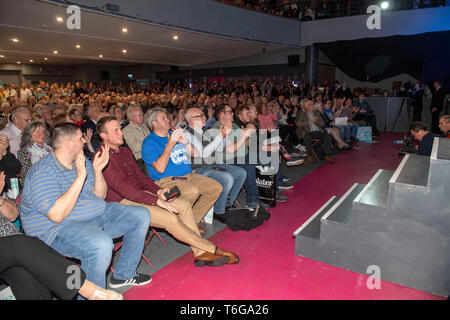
325,139
35,271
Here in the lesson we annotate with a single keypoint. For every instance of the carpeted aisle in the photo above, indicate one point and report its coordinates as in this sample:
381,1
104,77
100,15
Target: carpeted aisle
269,269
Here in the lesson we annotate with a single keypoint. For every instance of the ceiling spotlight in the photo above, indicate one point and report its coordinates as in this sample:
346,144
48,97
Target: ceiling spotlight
31,60
45,59
100,56
18,62
124,30
55,52
15,40
59,19
2,56
124,51
78,46
385,5
175,37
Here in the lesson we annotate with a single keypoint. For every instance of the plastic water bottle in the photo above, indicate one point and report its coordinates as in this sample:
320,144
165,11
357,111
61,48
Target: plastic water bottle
14,191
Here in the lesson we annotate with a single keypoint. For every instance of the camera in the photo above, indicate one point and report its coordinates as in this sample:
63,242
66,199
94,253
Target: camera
407,145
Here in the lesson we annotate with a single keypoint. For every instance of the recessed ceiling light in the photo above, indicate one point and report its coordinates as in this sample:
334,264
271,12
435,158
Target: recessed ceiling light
124,30
78,46
124,51
15,40
2,56
31,60
18,62
100,56
59,19
175,37
45,59
55,52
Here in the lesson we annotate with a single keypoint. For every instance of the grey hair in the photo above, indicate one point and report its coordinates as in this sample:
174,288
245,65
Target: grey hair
152,116
18,110
133,107
28,133
189,113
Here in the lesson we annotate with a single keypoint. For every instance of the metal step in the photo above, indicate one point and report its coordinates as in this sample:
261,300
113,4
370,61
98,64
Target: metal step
413,170
376,192
441,149
342,210
311,228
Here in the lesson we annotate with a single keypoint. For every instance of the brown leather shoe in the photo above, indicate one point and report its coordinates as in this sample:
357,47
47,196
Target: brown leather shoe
310,159
328,159
201,229
234,259
210,260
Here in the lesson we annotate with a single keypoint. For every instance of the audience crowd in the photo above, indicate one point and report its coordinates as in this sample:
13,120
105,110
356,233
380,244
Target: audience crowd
96,162
308,10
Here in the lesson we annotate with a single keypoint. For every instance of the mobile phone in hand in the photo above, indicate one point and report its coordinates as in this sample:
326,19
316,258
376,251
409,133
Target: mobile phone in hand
173,193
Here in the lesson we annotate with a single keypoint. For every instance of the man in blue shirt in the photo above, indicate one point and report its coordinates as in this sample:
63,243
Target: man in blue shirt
167,157
62,203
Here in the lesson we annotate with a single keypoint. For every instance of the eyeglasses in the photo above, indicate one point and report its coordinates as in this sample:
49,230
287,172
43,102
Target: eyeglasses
199,116
228,111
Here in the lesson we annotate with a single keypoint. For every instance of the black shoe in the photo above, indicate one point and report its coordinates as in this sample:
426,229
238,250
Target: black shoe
219,217
138,280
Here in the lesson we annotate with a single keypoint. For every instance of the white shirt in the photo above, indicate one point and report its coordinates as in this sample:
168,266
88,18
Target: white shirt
25,93
14,137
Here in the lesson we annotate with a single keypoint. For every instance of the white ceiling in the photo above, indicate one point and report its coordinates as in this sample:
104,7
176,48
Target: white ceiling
34,24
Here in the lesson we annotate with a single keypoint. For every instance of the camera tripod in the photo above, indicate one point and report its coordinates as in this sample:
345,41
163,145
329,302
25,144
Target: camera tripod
408,109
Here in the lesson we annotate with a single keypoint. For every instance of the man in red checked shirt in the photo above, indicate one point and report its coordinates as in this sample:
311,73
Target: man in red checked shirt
128,185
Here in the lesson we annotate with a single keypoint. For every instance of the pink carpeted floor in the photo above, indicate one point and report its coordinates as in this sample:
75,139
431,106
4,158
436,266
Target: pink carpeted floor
268,268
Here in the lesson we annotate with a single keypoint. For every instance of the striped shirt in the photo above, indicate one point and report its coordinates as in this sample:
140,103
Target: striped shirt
46,181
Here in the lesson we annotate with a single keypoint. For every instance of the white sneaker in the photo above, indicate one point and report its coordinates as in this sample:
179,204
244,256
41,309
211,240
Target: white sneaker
298,162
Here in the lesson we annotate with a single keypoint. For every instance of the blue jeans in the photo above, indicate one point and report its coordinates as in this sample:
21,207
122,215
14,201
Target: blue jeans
91,241
231,180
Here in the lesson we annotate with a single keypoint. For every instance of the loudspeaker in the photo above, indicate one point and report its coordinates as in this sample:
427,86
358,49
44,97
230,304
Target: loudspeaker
104,75
294,60
175,69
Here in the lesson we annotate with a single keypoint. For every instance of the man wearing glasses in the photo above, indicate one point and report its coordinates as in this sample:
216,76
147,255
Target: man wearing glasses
229,176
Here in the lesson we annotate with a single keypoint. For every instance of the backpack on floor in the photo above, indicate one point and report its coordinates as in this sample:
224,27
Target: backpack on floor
246,219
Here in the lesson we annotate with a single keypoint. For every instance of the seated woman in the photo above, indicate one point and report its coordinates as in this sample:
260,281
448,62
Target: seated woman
266,117
9,164
33,270
76,116
33,146
117,112
333,131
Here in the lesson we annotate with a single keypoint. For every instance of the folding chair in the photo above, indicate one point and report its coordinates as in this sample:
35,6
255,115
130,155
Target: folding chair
151,232
315,142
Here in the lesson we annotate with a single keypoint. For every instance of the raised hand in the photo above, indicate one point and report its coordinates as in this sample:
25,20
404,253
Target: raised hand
88,135
101,159
80,165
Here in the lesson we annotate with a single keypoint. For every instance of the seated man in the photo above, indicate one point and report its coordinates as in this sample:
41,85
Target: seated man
311,126
444,125
135,132
235,151
230,177
426,138
175,216
62,203
165,155
365,113
21,117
